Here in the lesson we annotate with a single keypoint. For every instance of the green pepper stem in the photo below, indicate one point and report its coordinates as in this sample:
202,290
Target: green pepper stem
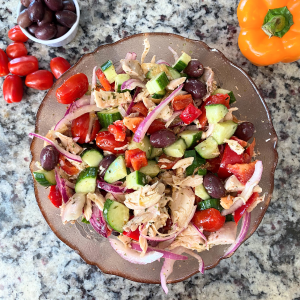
276,24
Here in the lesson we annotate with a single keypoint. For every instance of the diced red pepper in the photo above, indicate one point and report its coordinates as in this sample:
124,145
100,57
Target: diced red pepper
241,142
67,166
182,101
105,83
243,172
55,196
135,159
129,154
229,157
140,108
203,119
190,114
250,149
133,234
118,130
133,123
241,210
218,99
167,165
156,126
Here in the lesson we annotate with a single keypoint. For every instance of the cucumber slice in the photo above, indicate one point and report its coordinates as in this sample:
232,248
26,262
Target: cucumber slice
215,113
92,157
45,178
109,71
177,149
158,83
182,62
229,93
223,131
210,203
119,80
159,95
156,152
152,169
202,172
197,162
86,181
201,192
191,137
174,74
116,171
144,145
108,116
135,180
208,148
115,214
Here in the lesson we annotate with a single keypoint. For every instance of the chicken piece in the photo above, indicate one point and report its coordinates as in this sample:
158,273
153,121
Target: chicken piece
68,143
208,132
183,163
225,235
133,68
229,116
235,146
144,94
165,114
105,99
227,201
97,198
166,177
175,83
189,181
146,50
232,184
72,210
211,85
146,67
143,242
88,209
148,103
125,240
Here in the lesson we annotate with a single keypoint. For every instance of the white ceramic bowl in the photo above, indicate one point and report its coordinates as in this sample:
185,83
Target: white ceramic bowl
63,40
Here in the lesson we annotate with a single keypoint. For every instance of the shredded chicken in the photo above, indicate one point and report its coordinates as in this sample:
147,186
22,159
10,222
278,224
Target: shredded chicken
125,240
208,132
142,95
146,50
225,235
146,67
133,68
232,184
105,99
88,209
165,114
189,181
229,116
72,210
148,103
143,242
235,146
175,83
97,198
69,144
166,177
211,84
183,163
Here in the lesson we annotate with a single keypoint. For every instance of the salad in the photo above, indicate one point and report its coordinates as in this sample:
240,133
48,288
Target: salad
152,157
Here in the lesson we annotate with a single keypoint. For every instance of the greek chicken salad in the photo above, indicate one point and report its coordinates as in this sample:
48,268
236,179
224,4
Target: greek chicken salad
152,157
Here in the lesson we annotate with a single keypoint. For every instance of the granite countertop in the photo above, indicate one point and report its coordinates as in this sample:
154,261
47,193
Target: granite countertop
35,264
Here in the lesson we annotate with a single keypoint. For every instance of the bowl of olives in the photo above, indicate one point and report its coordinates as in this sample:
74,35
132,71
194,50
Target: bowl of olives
49,22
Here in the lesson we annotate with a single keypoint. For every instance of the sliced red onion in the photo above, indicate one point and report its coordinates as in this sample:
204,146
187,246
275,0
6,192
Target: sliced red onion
98,222
237,204
166,254
132,102
166,244
143,127
75,114
161,238
198,257
72,210
132,255
173,117
92,119
111,188
162,62
61,185
122,111
201,234
241,236
130,56
176,57
94,83
131,84
58,148
84,100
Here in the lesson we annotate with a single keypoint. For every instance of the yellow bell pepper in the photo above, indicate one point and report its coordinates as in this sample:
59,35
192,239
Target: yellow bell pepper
270,31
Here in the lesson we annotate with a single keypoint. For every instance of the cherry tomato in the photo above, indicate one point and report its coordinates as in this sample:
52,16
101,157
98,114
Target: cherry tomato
118,129
16,49
166,165
209,219
156,126
13,89
24,65
73,88
55,196
59,66
39,80
16,34
106,141
218,99
80,127
3,64
67,166
133,234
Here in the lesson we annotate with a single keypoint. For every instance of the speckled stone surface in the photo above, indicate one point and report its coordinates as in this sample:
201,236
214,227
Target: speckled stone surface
35,264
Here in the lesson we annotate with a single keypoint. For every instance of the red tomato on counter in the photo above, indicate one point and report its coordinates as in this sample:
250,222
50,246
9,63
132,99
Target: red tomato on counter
39,80
24,65
3,64
58,66
16,50
16,34
13,89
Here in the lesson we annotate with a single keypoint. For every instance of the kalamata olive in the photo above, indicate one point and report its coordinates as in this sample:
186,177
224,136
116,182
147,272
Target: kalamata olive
214,186
61,30
115,233
194,68
23,19
195,87
245,131
66,18
105,163
48,16
46,31
162,138
49,158
54,5
26,3
69,5
36,11
32,28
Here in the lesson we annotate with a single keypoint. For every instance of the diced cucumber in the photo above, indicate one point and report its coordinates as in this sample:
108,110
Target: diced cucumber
229,93
208,148
210,203
92,157
201,192
156,69
159,95
144,145
177,149
197,162
182,62
116,171
174,74
202,171
156,152
158,83
115,214
108,116
215,113
119,80
45,178
152,169
135,180
191,137
86,181
109,71
223,131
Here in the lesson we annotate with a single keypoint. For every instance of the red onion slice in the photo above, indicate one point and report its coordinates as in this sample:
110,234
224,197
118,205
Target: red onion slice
233,207
198,257
61,185
84,100
111,188
163,62
201,234
132,84
98,222
132,102
122,111
144,126
58,148
173,117
241,236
